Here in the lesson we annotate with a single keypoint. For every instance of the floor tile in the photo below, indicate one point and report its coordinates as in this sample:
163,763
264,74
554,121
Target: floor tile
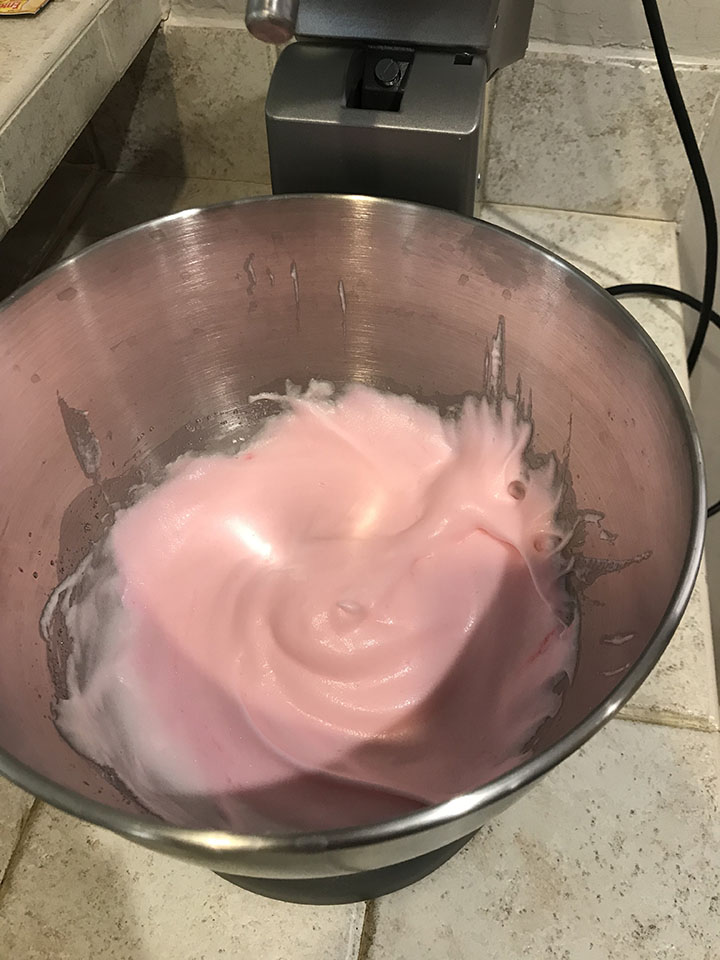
81,893
616,855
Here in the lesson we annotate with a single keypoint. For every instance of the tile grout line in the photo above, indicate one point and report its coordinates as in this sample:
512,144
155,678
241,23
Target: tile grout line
182,178
16,854
690,187
73,222
368,930
109,45
663,718
184,20
104,39
616,52
504,205
355,933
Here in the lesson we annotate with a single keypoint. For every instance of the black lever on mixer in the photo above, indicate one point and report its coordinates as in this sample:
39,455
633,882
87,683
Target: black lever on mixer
377,77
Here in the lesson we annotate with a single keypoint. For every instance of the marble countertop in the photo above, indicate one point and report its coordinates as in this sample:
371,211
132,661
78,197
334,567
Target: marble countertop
616,854
55,69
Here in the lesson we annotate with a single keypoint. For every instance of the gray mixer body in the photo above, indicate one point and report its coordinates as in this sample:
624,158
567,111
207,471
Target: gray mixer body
382,97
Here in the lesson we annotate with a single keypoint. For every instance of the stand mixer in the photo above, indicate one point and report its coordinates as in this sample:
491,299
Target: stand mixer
147,346
384,98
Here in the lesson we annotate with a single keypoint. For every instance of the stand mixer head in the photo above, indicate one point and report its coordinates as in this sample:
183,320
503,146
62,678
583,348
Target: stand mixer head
382,97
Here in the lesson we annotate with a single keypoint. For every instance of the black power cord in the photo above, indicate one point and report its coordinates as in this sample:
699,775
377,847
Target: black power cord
662,293
702,184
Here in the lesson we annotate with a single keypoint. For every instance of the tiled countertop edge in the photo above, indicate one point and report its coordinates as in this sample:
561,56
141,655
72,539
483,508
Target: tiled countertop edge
75,79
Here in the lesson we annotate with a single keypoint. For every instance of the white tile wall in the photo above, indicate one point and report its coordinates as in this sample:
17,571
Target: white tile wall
692,26
591,132
191,105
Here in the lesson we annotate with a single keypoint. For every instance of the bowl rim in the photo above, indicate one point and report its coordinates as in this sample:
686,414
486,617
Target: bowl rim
197,843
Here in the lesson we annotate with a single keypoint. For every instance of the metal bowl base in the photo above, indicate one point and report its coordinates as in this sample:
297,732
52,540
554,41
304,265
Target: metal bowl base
350,888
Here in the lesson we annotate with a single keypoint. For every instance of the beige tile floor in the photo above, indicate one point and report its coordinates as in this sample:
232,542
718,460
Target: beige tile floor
615,855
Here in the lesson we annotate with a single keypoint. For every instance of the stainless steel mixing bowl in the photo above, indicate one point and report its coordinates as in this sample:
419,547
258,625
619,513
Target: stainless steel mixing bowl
148,344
